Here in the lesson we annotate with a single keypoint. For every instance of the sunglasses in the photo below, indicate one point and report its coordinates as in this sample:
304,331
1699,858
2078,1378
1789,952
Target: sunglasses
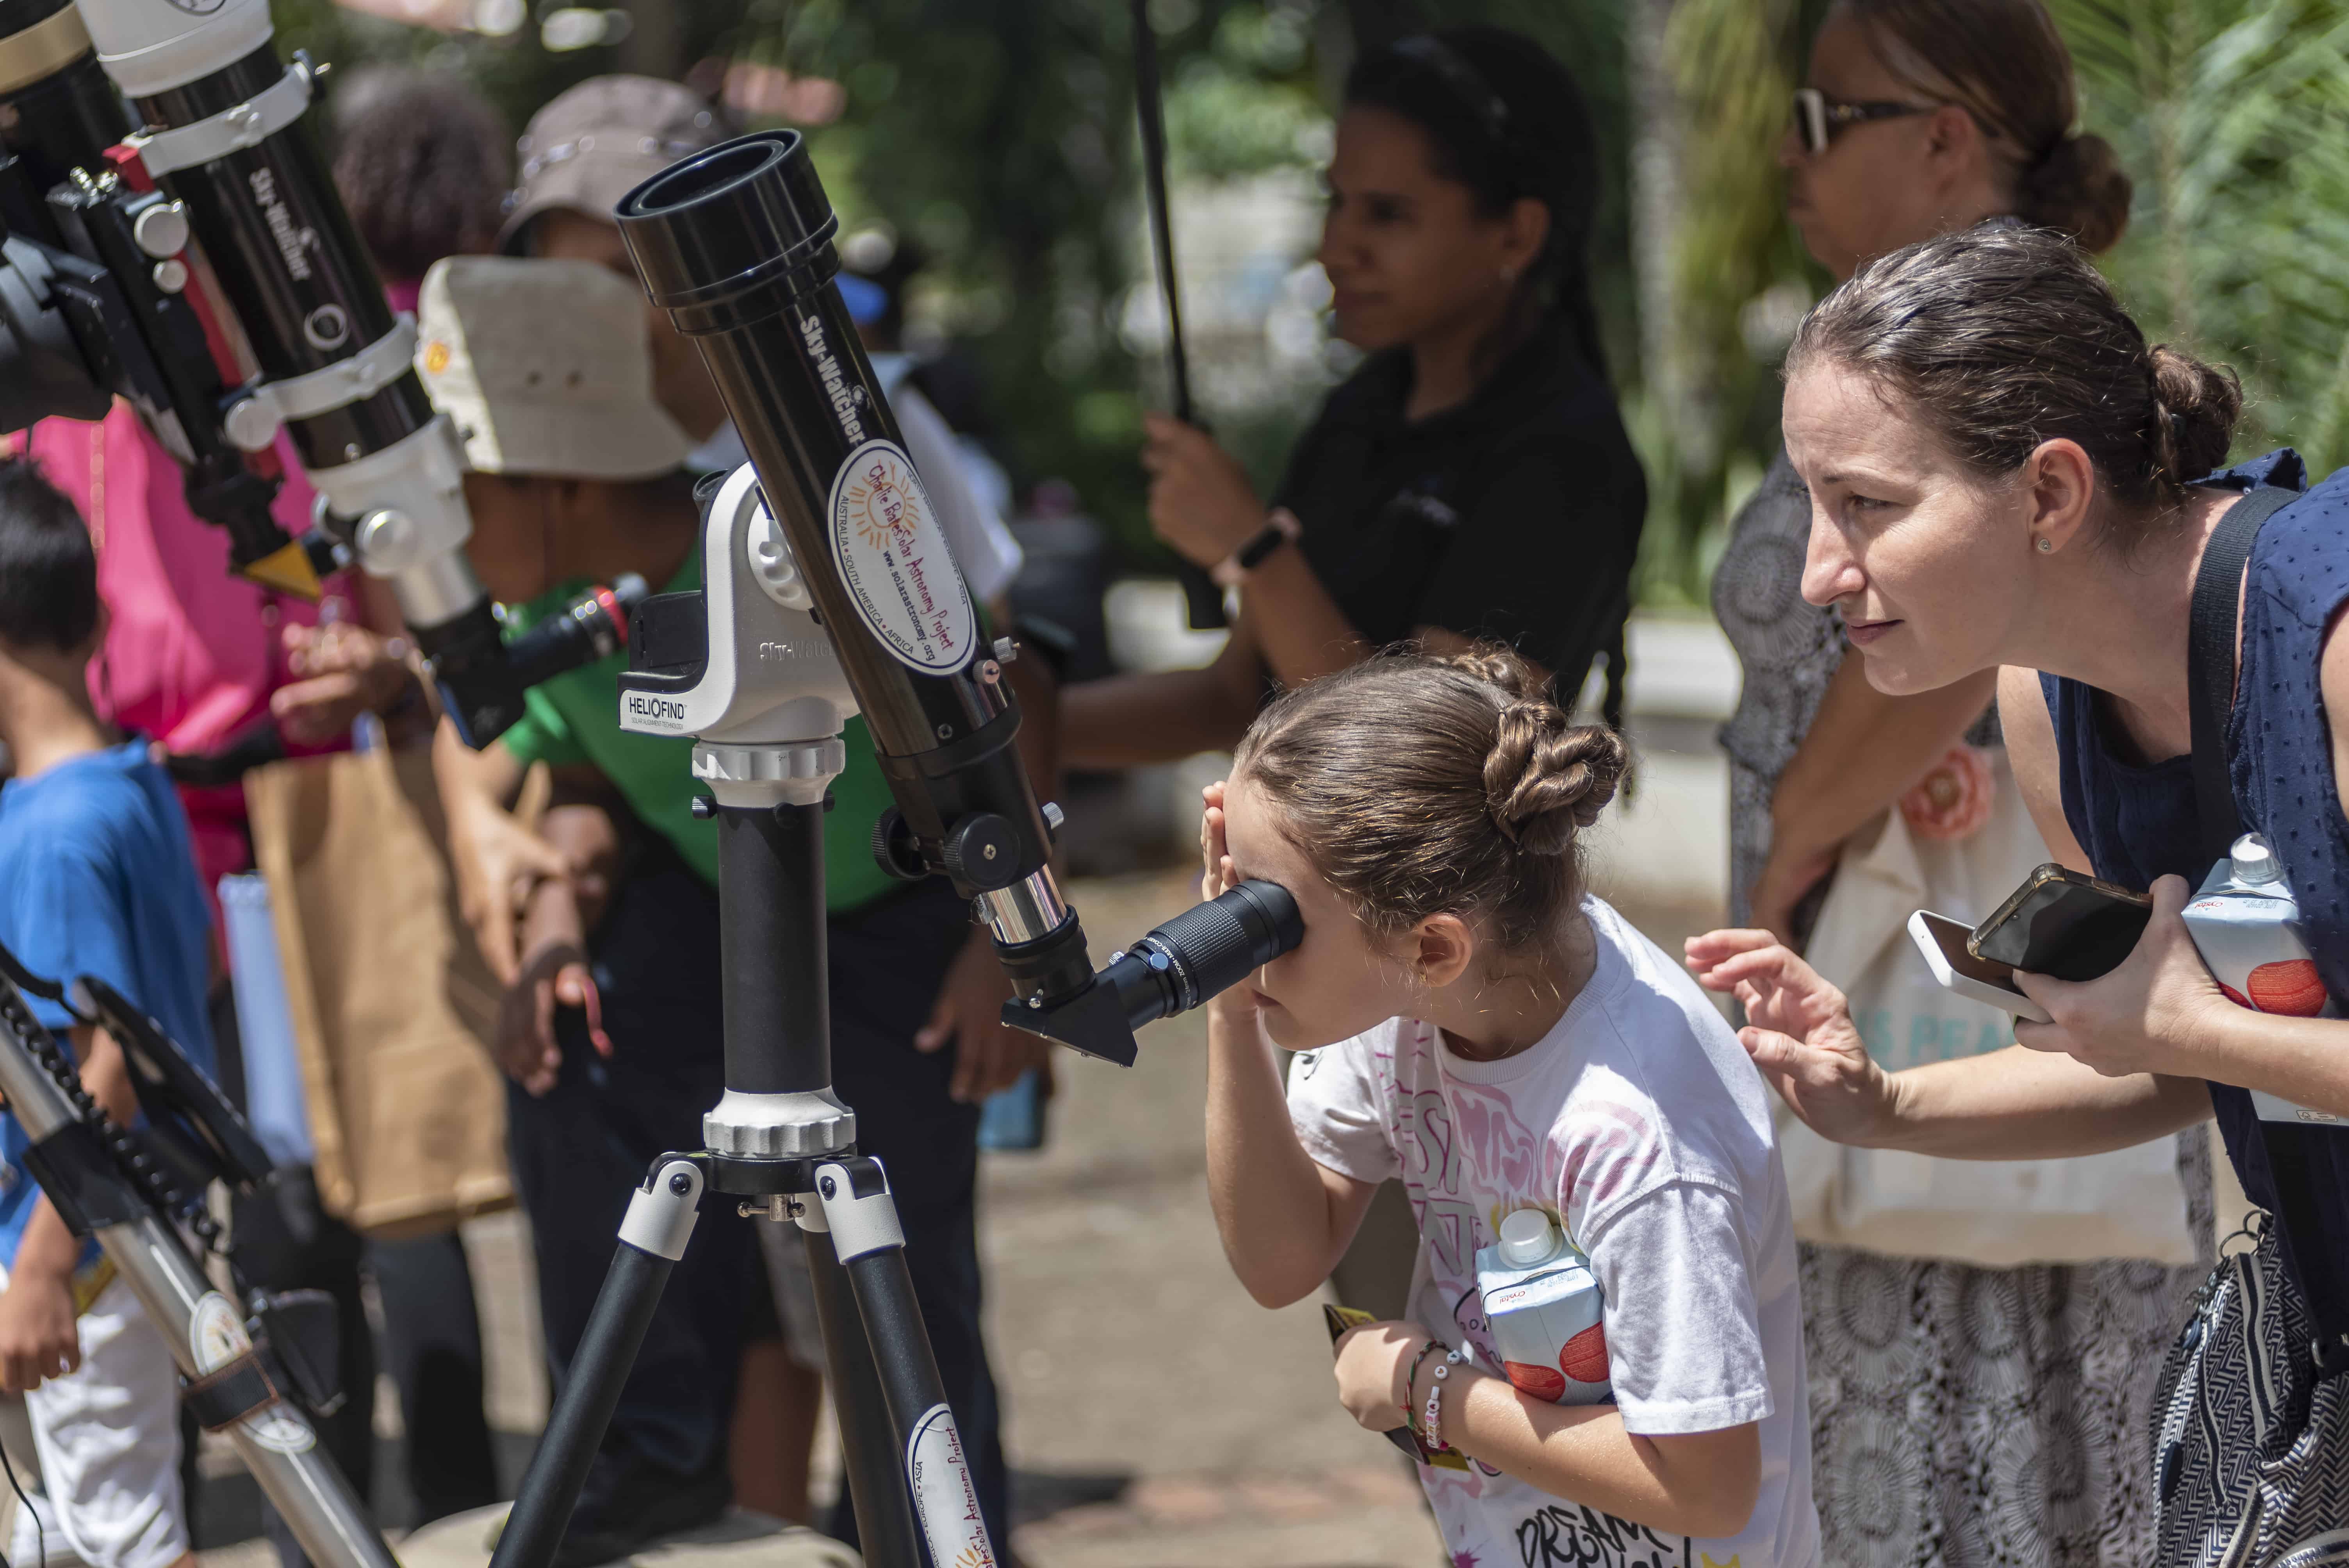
1818,117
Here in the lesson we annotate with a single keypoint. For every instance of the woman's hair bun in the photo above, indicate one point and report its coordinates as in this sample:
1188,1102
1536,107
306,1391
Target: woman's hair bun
2080,189
2195,406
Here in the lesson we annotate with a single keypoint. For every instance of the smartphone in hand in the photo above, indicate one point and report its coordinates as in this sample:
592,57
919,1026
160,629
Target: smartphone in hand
2062,924
1943,941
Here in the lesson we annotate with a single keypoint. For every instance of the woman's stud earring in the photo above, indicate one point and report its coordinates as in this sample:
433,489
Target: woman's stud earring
2046,545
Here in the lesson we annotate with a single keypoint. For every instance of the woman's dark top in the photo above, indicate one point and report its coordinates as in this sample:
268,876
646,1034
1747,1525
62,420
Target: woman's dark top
2138,822
1514,516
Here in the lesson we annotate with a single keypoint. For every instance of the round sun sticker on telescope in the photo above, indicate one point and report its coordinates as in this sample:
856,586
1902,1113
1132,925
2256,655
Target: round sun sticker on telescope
886,540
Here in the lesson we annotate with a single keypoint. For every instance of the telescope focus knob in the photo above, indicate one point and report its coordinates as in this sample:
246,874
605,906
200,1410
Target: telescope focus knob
983,851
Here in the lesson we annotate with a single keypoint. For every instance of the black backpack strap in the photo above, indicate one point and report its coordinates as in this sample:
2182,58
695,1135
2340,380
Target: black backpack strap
2210,683
2211,660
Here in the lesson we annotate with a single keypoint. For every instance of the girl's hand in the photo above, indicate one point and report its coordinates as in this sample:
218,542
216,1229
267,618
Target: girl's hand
1374,1362
1215,854
1799,1032
1201,502
2149,1014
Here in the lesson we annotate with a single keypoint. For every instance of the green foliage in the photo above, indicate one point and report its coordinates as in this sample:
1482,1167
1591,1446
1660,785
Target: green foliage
1707,426
999,135
2233,116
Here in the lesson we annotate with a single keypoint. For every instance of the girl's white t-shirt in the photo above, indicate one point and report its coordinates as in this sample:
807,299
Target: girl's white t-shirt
1640,1125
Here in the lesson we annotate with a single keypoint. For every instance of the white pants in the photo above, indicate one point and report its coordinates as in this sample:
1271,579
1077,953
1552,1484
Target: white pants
108,1435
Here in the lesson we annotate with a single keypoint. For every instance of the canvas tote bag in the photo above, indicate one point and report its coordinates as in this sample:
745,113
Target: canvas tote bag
1956,845
393,1009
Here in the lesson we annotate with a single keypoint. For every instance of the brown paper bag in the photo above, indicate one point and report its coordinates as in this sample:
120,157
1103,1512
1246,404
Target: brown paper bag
393,1009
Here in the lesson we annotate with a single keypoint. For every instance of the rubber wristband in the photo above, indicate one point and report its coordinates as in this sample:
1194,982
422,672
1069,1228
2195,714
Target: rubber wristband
1411,1381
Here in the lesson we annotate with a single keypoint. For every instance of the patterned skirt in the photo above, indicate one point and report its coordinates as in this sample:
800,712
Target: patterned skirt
1970,1418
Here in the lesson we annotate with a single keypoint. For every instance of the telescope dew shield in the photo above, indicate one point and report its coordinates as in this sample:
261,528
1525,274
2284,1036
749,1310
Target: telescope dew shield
735,242
228,135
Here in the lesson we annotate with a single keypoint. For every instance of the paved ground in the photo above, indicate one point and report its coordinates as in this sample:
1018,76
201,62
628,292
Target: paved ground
1156,1417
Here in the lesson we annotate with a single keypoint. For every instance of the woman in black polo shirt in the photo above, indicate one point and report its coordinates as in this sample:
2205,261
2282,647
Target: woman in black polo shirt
1472,479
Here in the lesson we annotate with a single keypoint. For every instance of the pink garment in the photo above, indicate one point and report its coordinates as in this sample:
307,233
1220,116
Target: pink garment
191,653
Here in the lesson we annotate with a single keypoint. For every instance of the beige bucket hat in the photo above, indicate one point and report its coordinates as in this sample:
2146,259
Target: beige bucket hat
544,367
592,145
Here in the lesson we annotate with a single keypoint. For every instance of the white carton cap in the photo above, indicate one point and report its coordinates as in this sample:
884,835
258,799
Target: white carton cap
2254,861
1528,1237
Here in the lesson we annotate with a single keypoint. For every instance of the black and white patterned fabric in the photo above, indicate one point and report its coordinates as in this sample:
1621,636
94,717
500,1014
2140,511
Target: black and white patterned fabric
1960,1418
1989,1418
2251,1452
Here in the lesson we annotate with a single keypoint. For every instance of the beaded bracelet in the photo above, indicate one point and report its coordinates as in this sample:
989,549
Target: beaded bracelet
1434,1425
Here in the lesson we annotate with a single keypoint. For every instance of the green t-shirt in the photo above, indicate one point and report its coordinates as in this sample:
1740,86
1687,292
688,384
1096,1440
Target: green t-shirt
575,718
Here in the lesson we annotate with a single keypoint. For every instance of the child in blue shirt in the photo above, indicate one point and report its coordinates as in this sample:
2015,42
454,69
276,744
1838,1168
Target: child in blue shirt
96,877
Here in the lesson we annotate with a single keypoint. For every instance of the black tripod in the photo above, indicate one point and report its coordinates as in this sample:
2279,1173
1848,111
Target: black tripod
828,589
782,1146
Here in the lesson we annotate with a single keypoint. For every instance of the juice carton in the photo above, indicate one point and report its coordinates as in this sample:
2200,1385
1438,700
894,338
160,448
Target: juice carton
2245,924
1544,1311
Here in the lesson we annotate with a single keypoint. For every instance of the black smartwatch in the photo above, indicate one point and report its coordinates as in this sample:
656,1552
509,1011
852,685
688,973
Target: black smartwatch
1251,555
1279,529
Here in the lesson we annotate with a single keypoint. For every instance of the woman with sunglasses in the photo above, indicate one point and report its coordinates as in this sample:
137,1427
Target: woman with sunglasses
1930,1380
1473,478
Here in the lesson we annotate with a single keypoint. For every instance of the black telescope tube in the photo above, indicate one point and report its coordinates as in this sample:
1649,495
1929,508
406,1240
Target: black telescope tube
301,286
735,242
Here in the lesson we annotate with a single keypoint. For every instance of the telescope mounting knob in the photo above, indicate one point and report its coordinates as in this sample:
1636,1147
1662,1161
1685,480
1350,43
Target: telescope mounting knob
251,423
983,851
388,540
772,563
160,229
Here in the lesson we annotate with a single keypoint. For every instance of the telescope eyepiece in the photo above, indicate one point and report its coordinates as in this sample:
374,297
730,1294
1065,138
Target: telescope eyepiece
1205,950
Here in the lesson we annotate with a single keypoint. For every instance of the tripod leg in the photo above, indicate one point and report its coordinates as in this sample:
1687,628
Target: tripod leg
652,1238
871,1246
885,1521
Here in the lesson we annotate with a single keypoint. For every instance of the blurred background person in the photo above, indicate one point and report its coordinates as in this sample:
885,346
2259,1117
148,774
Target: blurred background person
1473,478
1930,115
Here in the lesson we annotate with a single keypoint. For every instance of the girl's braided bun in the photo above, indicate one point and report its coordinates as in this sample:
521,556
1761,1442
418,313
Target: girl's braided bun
1545,778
